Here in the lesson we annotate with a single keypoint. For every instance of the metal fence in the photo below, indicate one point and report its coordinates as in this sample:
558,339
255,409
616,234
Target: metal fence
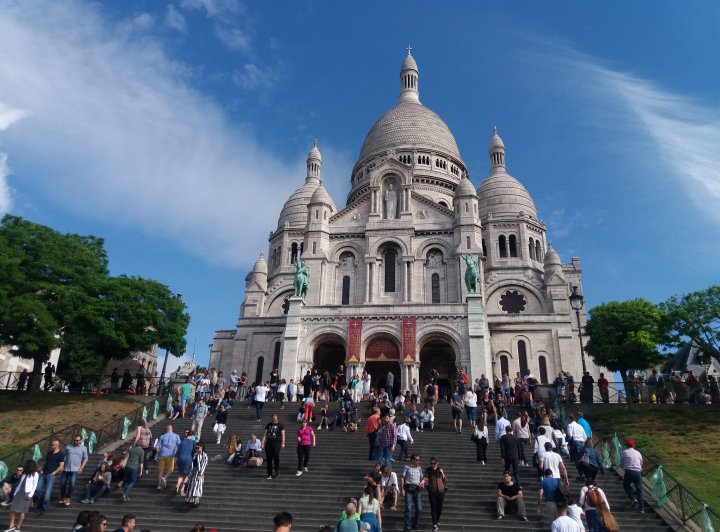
10,380
103,436
639,393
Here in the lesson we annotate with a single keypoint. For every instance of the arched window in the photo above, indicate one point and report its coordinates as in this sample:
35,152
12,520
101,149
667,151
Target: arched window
543,369
443,204
346,290
302,247
314,248
390,270
538,251
484,248
531,249
276,357
504,366
513,246
293,252
522,357
503,247
259,370
435,284
467,242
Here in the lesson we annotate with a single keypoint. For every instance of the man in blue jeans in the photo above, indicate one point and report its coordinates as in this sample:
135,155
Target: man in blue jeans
76,457
632,462
410,488
388,441
53,466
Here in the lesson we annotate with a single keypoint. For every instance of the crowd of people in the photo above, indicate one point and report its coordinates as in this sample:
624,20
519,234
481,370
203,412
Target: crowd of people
535,439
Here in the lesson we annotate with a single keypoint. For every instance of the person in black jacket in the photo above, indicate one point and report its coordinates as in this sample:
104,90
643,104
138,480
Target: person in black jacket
509,452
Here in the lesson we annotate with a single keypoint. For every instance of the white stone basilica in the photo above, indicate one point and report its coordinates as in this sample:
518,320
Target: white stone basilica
387,288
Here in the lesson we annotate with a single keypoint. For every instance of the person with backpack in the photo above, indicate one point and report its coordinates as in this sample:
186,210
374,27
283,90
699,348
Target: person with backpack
351,522
435,484
591,497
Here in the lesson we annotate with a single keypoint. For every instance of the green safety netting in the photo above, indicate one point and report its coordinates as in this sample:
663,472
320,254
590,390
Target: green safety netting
658,487
168,403
617,450
156,409
144,413
706,520
37,454
92,440
83,434
607,464
126,426
3,469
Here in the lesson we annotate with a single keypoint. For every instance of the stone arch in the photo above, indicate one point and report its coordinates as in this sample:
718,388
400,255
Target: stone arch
352,247
275,306
378,368
440,350
374,251
391,169
502,363
535,304
430,243
328,349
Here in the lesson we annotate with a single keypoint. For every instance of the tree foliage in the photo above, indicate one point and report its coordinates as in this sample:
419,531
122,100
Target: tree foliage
56,291
695,319
625,335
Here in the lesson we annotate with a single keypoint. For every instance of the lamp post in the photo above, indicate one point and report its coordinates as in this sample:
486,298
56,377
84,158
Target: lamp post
161,383
576,302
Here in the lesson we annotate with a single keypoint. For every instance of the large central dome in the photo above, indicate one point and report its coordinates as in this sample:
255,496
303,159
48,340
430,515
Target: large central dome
409,125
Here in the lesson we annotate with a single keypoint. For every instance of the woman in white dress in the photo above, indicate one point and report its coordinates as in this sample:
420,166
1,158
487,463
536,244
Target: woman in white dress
195,478
365,385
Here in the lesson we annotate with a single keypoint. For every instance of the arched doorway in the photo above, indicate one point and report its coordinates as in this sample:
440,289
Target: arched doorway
328,356
381,356
439,355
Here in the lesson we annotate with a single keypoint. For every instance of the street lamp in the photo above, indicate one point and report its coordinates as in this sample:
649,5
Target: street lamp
161,383
576,302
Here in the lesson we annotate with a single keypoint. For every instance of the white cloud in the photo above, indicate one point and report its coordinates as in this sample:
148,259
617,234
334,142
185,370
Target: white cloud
255,78
174,19
10,115
685,133
5,194
141,22
234,38
118,135
215,9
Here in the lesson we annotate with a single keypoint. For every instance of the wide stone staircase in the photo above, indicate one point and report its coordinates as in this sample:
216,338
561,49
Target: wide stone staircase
241,499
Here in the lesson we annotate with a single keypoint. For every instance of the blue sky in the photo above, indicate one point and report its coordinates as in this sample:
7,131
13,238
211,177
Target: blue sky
177,129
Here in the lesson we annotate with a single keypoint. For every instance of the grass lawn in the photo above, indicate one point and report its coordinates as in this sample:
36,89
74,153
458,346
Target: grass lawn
28,417
685,441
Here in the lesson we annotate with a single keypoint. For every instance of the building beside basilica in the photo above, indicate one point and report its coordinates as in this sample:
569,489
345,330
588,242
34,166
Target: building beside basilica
387,288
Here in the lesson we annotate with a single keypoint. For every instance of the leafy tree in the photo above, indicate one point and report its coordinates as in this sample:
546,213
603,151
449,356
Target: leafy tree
45,277
695,319
625,335
56,291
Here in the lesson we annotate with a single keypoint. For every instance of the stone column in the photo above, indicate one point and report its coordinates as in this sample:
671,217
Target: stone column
478,338
291,340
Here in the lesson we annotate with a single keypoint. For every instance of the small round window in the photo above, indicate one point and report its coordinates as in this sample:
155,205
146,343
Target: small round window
513,302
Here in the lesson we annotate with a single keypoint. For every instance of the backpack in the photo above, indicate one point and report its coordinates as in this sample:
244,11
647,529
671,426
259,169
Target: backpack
562,494
592,497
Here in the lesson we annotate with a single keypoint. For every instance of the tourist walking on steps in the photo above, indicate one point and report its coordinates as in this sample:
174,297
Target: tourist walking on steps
200,412
22,495
305,439
509,452
220,423
410,486
166,447
480,439
457,406
370,510
388,441
76,457
404,438
471,400
143,438
435,483
632,462
133,470
184,461
521,430
259,398
372,424
272,441
194,488
591,498
53,466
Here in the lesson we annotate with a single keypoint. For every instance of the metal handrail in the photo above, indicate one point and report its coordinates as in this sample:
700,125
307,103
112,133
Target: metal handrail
105,434
637,392
9,380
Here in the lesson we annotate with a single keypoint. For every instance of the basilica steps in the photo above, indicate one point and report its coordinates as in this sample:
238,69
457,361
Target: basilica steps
243,500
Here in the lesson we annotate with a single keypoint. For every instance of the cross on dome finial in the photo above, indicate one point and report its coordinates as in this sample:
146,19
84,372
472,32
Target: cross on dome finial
495,130
315,141
409,49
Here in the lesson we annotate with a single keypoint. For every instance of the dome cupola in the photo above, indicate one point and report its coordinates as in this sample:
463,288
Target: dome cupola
314,162
465,188
409,75
295,211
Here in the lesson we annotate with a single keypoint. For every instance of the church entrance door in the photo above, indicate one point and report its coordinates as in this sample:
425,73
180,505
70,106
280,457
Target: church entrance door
328,356
439,355
383,356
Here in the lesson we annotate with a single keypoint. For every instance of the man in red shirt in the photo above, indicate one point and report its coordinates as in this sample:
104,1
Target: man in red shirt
603,386
371,427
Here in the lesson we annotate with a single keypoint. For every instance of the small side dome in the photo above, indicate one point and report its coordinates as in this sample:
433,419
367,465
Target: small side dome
409,63
465,188
314,153
551,257
321,196
502,194
260,265
295,211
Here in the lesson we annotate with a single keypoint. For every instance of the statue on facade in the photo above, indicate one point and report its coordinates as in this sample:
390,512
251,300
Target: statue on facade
472,274
390,202
302,278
